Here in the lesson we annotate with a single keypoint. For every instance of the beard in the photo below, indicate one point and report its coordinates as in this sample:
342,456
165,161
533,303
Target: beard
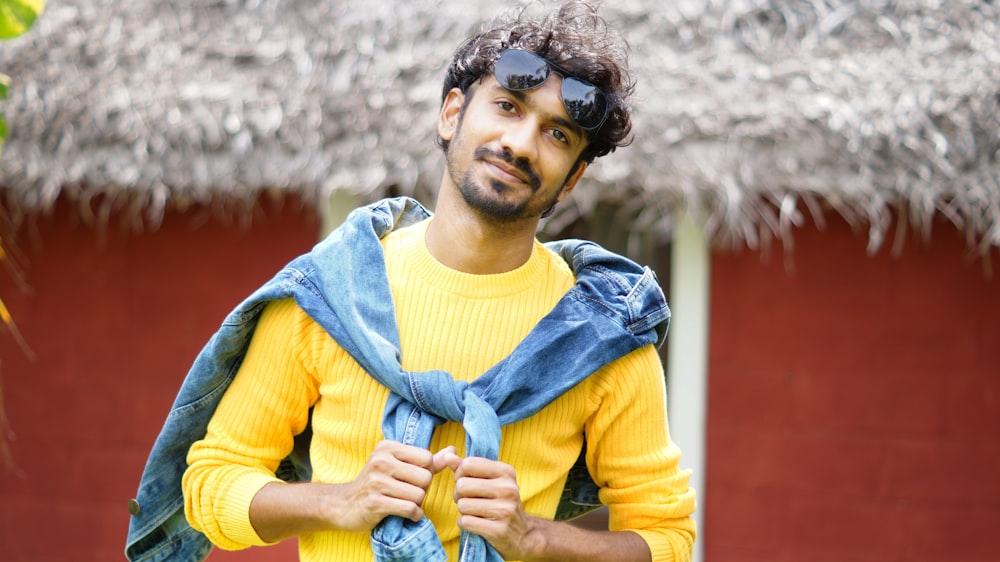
491,200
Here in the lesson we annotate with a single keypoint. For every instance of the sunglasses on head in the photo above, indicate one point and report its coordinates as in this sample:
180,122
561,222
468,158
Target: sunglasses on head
585,103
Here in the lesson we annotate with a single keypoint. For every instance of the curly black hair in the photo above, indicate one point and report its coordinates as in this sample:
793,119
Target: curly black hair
575,38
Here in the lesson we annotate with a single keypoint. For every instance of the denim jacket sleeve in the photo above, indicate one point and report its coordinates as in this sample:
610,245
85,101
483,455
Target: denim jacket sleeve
158,529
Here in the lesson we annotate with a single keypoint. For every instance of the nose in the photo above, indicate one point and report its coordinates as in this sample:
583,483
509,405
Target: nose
521,138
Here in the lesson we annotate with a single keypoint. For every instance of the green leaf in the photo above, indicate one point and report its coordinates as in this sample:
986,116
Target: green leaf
17,16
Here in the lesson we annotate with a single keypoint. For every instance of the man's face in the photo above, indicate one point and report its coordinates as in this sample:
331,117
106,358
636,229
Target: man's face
511,155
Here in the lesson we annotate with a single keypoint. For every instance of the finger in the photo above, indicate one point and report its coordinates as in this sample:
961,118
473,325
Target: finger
402,508
385,463
411,474
486,508
502,488
482,526
409,454
491,489
394,490
479,467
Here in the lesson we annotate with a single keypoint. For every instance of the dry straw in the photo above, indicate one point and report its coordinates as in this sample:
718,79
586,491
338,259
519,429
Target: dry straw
752,114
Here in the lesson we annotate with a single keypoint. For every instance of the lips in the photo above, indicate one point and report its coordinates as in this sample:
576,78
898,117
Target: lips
508,169
507,173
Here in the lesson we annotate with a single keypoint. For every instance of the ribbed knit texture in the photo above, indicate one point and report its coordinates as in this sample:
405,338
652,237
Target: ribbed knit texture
463,324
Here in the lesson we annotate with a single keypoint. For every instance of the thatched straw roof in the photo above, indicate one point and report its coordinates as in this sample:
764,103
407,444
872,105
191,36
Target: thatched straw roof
751,112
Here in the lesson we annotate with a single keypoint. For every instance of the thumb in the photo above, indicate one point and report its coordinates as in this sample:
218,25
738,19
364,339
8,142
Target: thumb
445,458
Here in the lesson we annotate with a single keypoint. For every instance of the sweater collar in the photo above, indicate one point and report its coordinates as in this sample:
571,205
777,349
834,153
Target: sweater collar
468,285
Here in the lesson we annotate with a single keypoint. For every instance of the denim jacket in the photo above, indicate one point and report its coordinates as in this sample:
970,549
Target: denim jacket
342,284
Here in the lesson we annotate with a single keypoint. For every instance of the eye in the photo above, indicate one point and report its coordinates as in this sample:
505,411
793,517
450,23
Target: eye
506,106
560,136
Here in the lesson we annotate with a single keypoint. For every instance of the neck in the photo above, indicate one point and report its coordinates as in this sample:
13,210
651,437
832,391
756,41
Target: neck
461,239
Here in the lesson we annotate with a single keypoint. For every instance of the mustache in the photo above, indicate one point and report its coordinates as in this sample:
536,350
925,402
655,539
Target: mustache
506,156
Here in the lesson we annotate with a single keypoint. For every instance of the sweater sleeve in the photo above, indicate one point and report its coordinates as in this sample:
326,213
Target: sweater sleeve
635,463
253,428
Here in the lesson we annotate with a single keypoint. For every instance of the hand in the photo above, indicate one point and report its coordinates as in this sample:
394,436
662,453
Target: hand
394,481
489,504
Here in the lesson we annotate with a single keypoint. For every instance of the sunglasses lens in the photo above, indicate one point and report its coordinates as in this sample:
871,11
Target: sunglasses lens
585,104
520,70
523,70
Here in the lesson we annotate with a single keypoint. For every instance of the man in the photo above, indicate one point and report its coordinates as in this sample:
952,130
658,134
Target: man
526,106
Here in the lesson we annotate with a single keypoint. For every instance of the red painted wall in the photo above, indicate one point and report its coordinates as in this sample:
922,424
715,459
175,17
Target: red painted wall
854,406
114,319
854,403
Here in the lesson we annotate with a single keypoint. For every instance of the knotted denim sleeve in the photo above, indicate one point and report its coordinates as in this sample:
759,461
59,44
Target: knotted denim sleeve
615,307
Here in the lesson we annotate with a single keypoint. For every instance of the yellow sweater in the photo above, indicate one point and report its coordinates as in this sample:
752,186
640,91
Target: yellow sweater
463,324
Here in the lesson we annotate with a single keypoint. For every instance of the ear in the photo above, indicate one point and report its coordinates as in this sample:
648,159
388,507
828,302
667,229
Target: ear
451,108
572,179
